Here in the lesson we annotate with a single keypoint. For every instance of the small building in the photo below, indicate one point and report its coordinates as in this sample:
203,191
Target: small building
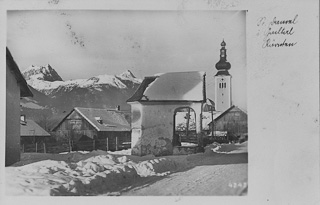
233,122
154,106
108,128
31,132
16,87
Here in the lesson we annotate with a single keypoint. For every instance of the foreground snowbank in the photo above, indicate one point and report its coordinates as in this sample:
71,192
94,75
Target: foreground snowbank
92,176
94,173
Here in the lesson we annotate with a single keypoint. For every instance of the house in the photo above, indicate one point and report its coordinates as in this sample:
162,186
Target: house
31,132
233,122
154,106
16,87
107,128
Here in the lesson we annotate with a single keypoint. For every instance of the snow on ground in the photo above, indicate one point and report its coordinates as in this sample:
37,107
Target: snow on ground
230,148
188,144
94,173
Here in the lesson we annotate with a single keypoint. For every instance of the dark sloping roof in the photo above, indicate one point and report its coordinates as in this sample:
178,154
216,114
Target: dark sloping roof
24,89
111,120
222,72
32,129
228,110
209,105
176,86
137,96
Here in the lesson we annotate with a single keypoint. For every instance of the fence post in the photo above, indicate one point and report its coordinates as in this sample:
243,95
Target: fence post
70,149
107,143
116,143
44,148
36,146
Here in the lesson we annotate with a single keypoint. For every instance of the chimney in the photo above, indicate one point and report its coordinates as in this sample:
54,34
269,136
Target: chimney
118,108
99,120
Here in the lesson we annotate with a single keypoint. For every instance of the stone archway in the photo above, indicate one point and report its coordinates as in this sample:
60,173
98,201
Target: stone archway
184,128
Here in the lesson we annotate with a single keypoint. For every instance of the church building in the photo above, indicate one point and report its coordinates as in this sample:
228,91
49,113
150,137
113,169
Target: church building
222,81
231,120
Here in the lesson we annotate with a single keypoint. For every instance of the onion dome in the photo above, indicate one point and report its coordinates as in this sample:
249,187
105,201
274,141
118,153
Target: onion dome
223,65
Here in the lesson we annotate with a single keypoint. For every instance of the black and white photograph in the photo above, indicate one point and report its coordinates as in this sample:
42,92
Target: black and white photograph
126,103
159,102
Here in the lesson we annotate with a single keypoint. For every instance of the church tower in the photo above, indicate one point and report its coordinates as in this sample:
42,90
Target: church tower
222,81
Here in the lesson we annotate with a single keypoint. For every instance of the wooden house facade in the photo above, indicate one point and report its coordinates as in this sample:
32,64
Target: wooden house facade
108,129
233,121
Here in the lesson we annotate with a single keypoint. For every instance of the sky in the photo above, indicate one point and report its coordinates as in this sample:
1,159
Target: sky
82,44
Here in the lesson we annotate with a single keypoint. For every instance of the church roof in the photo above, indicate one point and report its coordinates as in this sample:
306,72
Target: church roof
223,64
222,72
176,86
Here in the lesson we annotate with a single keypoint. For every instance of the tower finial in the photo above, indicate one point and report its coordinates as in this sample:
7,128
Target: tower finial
223,43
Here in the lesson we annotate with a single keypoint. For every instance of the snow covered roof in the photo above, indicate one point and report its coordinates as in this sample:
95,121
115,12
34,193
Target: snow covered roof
11,64
177,86
102,119
232,108
31,129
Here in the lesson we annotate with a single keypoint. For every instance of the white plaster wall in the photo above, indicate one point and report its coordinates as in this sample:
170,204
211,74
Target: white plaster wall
226,98
153,125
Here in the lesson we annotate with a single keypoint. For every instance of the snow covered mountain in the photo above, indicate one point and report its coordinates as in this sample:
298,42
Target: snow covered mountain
46,73
46,80
54,97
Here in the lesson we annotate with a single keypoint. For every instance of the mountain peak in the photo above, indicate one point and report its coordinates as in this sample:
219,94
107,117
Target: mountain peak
46,73
127,74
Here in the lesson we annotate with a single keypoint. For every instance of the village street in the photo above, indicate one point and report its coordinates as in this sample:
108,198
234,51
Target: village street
200,181
212,174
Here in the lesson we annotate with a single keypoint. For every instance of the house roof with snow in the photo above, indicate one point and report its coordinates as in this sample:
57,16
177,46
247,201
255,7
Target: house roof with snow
177,86
102,119
11,64
29,128
231,109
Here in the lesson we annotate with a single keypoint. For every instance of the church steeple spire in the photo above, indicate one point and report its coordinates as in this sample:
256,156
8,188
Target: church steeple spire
223,81
223,65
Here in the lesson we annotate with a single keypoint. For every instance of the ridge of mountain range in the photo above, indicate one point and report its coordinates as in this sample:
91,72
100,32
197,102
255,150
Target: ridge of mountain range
54,98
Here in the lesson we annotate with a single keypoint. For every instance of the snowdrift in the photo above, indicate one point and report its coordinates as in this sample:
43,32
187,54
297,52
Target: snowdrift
100,172
89,176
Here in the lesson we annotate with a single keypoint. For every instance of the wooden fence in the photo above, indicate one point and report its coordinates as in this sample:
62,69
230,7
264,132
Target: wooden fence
68,146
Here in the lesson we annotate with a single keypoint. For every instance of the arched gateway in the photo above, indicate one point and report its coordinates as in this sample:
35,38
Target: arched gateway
155,103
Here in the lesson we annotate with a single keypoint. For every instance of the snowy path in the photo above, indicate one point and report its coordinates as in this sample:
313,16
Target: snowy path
213,176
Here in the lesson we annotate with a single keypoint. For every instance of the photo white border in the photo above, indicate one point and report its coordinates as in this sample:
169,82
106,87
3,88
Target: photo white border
284,140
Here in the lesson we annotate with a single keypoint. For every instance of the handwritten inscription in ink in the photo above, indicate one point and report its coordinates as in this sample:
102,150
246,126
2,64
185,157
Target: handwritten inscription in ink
277,33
